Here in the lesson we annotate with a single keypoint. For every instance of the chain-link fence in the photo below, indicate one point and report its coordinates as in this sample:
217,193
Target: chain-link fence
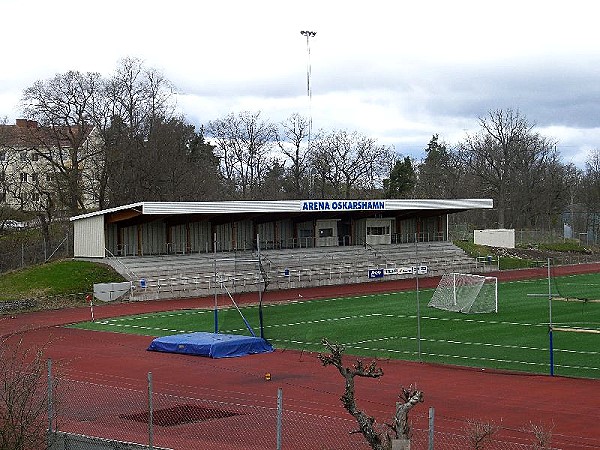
97,416
24,249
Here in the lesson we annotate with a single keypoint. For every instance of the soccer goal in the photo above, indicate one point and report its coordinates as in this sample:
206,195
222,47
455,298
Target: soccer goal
466,293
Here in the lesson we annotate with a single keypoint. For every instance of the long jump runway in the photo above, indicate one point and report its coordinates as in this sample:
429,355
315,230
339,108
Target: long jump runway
571,406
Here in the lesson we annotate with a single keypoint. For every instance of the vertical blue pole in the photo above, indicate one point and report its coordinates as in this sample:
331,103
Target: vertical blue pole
261,283
551,353
215,282
550,321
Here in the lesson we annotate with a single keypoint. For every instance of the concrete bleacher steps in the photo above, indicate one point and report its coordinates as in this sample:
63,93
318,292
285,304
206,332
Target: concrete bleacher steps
204,274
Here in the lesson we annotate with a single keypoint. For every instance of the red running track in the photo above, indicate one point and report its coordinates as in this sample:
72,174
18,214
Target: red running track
570,406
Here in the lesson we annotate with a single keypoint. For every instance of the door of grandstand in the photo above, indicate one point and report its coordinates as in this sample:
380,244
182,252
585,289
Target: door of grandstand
379,231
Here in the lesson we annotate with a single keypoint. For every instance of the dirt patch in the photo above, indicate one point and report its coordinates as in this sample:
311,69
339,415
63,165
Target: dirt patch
180,414
535,254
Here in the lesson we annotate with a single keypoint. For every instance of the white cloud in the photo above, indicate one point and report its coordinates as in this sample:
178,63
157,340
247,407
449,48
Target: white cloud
396,71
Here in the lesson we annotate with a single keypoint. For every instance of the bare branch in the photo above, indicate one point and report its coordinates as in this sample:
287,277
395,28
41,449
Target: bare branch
378,440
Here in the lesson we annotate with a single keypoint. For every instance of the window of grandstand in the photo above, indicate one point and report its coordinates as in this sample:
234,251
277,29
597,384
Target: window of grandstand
303,233
24,177
378,231
326,232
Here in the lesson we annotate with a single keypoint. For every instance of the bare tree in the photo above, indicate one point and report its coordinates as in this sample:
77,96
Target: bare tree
542,435
478,433
243,143
23,402
350,163
587,193
295,131
505,153
135,101
399,429
61,106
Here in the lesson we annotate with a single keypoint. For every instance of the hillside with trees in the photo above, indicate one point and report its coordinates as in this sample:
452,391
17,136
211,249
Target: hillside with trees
145,151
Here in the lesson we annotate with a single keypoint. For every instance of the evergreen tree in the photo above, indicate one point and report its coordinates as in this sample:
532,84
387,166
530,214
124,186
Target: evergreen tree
401,181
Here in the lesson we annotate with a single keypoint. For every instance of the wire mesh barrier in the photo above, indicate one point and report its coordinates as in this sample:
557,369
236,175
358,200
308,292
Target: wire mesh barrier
432,431
19,252
94,416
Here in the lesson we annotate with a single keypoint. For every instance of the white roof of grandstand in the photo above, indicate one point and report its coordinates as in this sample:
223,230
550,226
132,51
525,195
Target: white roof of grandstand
279,206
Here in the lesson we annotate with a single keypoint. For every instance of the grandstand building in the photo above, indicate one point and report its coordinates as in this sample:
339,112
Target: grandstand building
337,241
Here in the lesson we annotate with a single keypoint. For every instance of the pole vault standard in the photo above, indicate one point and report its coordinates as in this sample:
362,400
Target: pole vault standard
550,328
220,280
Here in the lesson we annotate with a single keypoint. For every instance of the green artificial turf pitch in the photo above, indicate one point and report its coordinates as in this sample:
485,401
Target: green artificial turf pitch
386,326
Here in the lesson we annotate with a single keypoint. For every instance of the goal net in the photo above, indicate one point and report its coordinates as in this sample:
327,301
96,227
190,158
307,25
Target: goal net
466,293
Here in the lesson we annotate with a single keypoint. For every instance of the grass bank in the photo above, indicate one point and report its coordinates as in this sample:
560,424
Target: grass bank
56,280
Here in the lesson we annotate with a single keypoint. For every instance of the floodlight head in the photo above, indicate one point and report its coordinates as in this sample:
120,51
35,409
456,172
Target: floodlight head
308,33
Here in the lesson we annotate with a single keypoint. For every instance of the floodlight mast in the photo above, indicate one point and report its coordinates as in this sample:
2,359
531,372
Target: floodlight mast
308,35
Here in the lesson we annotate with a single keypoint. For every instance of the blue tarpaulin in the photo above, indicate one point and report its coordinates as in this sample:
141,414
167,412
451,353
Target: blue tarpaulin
213,345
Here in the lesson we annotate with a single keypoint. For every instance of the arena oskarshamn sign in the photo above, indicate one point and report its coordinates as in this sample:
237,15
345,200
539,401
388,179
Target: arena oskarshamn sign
341,205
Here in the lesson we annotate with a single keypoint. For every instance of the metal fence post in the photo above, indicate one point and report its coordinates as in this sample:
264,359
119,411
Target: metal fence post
279,416
150,413
431,427
49,393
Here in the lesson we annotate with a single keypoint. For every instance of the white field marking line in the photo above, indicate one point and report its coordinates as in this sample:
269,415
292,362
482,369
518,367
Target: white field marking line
139,327
475,358
205,311
385,338
152,316
576,367
404,316
471,358
483,344
329,319
301,302
292,341
491,322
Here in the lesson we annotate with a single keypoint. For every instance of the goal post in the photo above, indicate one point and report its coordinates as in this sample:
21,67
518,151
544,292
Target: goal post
466,293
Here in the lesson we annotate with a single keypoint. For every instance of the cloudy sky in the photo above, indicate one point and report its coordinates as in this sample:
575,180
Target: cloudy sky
394,70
